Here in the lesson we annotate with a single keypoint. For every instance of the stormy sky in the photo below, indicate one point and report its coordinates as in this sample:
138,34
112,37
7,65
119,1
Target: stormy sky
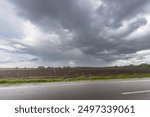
74,32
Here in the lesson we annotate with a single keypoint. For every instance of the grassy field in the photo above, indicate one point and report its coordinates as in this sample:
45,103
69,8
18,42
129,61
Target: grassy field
81,78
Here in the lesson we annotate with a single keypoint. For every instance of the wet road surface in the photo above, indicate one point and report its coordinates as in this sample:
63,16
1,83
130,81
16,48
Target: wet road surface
135,89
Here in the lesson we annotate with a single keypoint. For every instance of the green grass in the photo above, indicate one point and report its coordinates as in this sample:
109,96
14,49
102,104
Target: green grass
81,78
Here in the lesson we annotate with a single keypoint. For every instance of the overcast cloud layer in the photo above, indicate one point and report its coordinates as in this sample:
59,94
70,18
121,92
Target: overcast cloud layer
74,32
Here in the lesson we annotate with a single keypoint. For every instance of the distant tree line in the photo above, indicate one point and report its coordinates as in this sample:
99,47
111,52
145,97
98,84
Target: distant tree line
67,67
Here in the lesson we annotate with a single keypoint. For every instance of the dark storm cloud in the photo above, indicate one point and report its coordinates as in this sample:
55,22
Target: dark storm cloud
115,11
67,12
91,27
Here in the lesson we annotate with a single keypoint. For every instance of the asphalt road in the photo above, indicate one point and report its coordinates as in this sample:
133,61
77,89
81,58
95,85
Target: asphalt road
135,89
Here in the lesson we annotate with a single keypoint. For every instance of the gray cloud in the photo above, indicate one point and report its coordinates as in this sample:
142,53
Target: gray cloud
93,31
115,11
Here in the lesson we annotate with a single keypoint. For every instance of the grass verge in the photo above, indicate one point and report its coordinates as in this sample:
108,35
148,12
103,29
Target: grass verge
81,78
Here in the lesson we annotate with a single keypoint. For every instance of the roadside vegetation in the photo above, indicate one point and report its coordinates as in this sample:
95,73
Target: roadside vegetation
65,74
81,78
